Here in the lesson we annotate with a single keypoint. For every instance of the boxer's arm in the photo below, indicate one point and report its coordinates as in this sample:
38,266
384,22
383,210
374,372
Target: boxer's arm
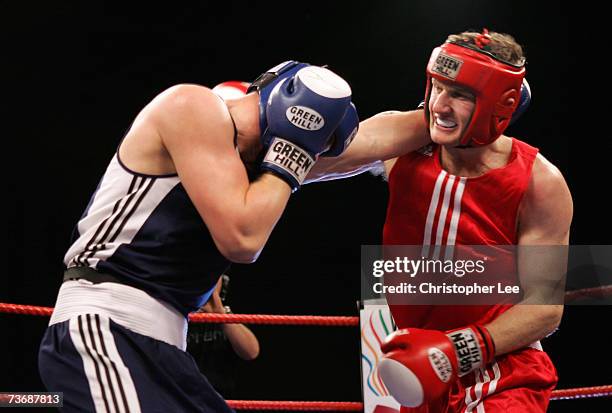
380,138
243,341
544,222
241,338
197,132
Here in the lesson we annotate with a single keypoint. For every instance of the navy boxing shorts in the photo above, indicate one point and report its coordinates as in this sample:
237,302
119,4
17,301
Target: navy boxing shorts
92,354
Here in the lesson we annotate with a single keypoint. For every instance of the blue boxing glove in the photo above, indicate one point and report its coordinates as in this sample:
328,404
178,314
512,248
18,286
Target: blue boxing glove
303,112
344,133
524,102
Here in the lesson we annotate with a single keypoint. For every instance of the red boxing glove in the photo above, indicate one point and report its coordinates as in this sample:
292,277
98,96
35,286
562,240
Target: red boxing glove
419,365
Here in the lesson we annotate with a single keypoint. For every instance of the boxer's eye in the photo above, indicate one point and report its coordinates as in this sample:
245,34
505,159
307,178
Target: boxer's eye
463,95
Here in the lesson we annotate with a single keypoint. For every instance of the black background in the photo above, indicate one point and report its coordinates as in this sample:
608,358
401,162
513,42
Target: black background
76,74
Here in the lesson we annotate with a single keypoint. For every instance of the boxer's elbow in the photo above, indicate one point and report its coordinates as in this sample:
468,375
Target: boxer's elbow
550,316
240,255
240,248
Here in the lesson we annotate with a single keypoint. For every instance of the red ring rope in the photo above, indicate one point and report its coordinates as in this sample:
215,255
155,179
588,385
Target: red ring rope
563,394
338,321
295,406
595,292
583,392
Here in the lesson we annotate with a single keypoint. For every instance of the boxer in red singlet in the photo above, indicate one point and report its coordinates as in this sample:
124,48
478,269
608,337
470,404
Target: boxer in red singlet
455,179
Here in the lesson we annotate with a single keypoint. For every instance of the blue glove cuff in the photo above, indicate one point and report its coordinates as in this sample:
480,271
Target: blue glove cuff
288,161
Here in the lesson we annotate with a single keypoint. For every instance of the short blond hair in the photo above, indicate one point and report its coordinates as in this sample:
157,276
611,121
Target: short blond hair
503,46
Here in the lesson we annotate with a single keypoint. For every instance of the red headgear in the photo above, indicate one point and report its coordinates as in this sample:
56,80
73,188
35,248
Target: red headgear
231,89
496,84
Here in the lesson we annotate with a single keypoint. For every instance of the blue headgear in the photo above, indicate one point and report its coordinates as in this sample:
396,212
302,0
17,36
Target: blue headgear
265,83
268,81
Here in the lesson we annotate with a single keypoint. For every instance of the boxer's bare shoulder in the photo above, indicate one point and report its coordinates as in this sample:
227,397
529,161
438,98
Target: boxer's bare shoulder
185,115
547,208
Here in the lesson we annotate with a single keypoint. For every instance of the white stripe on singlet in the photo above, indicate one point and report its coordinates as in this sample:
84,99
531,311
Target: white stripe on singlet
454,224
431,213
448,189
118,210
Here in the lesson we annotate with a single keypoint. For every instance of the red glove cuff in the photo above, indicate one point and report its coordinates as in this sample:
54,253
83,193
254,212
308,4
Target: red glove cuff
474,347
488,343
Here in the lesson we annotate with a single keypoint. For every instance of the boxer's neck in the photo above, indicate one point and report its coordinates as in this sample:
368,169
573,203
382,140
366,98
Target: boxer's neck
472,162
245,114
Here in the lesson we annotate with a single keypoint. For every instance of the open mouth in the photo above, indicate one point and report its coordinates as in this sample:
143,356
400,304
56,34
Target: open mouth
446,124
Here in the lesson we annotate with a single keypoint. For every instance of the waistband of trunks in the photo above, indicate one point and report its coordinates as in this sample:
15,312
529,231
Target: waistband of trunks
127,306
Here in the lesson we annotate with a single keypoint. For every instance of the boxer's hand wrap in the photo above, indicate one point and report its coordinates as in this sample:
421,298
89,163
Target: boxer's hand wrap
302,114
419,365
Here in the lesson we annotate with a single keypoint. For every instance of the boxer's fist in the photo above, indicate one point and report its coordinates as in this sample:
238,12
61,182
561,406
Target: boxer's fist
302,113
420,365
344,133
524,102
